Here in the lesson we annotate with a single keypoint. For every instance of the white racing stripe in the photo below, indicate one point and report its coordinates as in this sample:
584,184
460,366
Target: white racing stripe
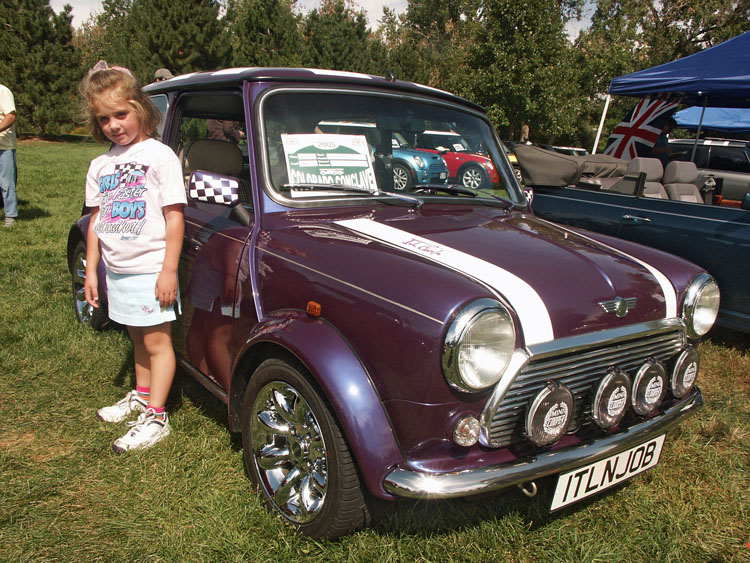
670,294
533,314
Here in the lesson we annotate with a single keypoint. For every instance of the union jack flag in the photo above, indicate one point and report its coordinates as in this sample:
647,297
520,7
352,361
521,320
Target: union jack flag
638,132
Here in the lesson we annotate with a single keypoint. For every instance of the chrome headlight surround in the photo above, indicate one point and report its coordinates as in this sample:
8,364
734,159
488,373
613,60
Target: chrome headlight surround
479,345
701,305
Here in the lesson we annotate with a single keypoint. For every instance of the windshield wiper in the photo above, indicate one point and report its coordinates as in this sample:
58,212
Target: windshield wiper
464,190
414,200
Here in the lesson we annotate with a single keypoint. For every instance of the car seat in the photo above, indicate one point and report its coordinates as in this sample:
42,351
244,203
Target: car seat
680,181
654,170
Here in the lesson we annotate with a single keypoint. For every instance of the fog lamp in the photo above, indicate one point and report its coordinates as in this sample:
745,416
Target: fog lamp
685,372
649,387
611,399
466,432
550,414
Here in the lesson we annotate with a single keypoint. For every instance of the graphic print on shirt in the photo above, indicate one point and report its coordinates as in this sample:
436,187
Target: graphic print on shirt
123,205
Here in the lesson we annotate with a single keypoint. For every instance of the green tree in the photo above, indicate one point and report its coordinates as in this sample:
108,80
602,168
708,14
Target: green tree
39,64
266,33
337,38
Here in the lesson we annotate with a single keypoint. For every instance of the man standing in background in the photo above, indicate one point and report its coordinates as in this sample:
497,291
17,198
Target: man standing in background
8,155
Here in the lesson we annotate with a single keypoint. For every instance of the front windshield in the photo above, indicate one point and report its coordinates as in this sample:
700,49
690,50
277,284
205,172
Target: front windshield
342,144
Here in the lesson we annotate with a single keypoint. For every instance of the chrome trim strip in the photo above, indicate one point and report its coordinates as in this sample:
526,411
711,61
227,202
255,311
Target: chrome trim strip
351,285
420,485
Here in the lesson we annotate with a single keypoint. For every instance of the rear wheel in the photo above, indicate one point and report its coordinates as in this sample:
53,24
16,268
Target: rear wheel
94,317
296,454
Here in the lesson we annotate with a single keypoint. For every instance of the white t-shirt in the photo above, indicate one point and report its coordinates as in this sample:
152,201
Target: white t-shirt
7,105
130,186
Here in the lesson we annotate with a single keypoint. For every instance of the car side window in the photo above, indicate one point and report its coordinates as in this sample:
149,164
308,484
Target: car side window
729,158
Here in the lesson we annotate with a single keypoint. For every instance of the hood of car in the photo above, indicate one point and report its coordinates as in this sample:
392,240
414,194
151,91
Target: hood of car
557,282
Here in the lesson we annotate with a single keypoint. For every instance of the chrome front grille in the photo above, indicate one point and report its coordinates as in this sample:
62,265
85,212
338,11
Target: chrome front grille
580,371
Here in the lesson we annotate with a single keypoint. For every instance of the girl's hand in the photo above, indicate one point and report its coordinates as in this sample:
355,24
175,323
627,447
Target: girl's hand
91,289
166,289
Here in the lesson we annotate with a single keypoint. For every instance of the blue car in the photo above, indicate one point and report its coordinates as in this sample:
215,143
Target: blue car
410,167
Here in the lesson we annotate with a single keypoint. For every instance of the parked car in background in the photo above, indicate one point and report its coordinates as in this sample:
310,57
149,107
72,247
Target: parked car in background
410,167
466,166
726,160
640,210
371,342
574,151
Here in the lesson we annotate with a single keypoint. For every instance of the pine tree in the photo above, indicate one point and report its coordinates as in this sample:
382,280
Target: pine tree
266,33
39,65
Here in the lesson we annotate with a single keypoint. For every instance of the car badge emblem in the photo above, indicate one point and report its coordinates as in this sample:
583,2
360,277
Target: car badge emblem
619,306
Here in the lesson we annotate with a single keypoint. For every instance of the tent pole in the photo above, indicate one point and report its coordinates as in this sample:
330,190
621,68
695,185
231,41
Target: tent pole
698,131
601,124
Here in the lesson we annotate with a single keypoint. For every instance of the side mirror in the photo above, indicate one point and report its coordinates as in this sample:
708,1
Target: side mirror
210,187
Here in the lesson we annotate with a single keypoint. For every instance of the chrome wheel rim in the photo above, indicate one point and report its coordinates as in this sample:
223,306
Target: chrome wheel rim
83,309
289,452
472,178
400,178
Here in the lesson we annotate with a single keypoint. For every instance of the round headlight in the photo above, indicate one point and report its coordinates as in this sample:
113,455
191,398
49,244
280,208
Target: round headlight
649,387
419,161
611,399
550,414
478,346
685,372
701,305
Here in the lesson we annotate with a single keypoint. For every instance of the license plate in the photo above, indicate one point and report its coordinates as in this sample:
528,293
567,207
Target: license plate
443,175
591,479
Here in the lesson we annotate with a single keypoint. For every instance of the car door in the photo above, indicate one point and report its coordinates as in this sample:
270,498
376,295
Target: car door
713,237
214,264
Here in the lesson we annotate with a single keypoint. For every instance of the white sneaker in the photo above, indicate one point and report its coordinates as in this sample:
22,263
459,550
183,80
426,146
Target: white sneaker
122,408
147,431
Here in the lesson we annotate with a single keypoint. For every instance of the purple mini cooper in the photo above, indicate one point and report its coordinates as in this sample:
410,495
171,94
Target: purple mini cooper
375,343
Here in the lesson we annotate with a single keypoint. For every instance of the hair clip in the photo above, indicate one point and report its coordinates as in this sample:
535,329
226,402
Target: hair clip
102,65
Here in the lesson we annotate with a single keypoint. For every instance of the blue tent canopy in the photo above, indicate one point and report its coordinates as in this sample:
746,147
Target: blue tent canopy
715,119
717,77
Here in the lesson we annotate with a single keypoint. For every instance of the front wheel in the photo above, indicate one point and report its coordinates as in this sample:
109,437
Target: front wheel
402,180
472,177
96,318
296,455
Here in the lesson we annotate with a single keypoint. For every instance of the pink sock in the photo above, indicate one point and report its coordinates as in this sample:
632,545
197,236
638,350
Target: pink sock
143,392
156,410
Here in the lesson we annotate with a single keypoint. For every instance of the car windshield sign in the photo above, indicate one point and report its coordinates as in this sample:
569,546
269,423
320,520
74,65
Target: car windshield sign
328,159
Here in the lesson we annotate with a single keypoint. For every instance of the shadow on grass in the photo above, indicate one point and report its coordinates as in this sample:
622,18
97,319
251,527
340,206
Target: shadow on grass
729,338
430,517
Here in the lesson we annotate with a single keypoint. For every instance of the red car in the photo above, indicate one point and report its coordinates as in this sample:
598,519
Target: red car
468,168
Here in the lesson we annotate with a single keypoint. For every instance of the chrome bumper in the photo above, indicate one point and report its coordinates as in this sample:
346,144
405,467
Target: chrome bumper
412,484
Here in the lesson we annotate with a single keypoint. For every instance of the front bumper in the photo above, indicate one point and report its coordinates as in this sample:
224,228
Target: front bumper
413,484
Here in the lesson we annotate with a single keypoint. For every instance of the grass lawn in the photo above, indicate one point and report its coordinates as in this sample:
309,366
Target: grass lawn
64,496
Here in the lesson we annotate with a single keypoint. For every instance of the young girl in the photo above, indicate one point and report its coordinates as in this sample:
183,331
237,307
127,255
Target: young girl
137,194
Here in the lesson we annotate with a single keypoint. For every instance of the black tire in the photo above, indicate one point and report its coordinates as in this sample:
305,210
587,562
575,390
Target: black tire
472,177
402,180
296,455
95,318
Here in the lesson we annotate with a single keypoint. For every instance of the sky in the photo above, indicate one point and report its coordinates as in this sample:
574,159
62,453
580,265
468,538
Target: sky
82,9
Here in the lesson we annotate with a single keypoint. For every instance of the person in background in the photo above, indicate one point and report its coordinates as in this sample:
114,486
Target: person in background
224,130
162,74
137,195
8,170
661,148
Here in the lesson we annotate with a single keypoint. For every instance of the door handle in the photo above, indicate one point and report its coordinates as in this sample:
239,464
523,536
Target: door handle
635,219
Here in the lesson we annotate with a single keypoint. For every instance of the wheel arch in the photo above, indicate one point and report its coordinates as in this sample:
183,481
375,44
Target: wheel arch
319,350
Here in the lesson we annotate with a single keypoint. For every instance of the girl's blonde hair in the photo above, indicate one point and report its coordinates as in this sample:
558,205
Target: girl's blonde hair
119,84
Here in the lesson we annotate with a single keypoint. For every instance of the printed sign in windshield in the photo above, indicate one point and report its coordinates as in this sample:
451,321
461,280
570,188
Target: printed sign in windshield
329,159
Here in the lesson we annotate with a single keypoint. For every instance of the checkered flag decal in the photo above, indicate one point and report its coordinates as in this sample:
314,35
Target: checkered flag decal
213,188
